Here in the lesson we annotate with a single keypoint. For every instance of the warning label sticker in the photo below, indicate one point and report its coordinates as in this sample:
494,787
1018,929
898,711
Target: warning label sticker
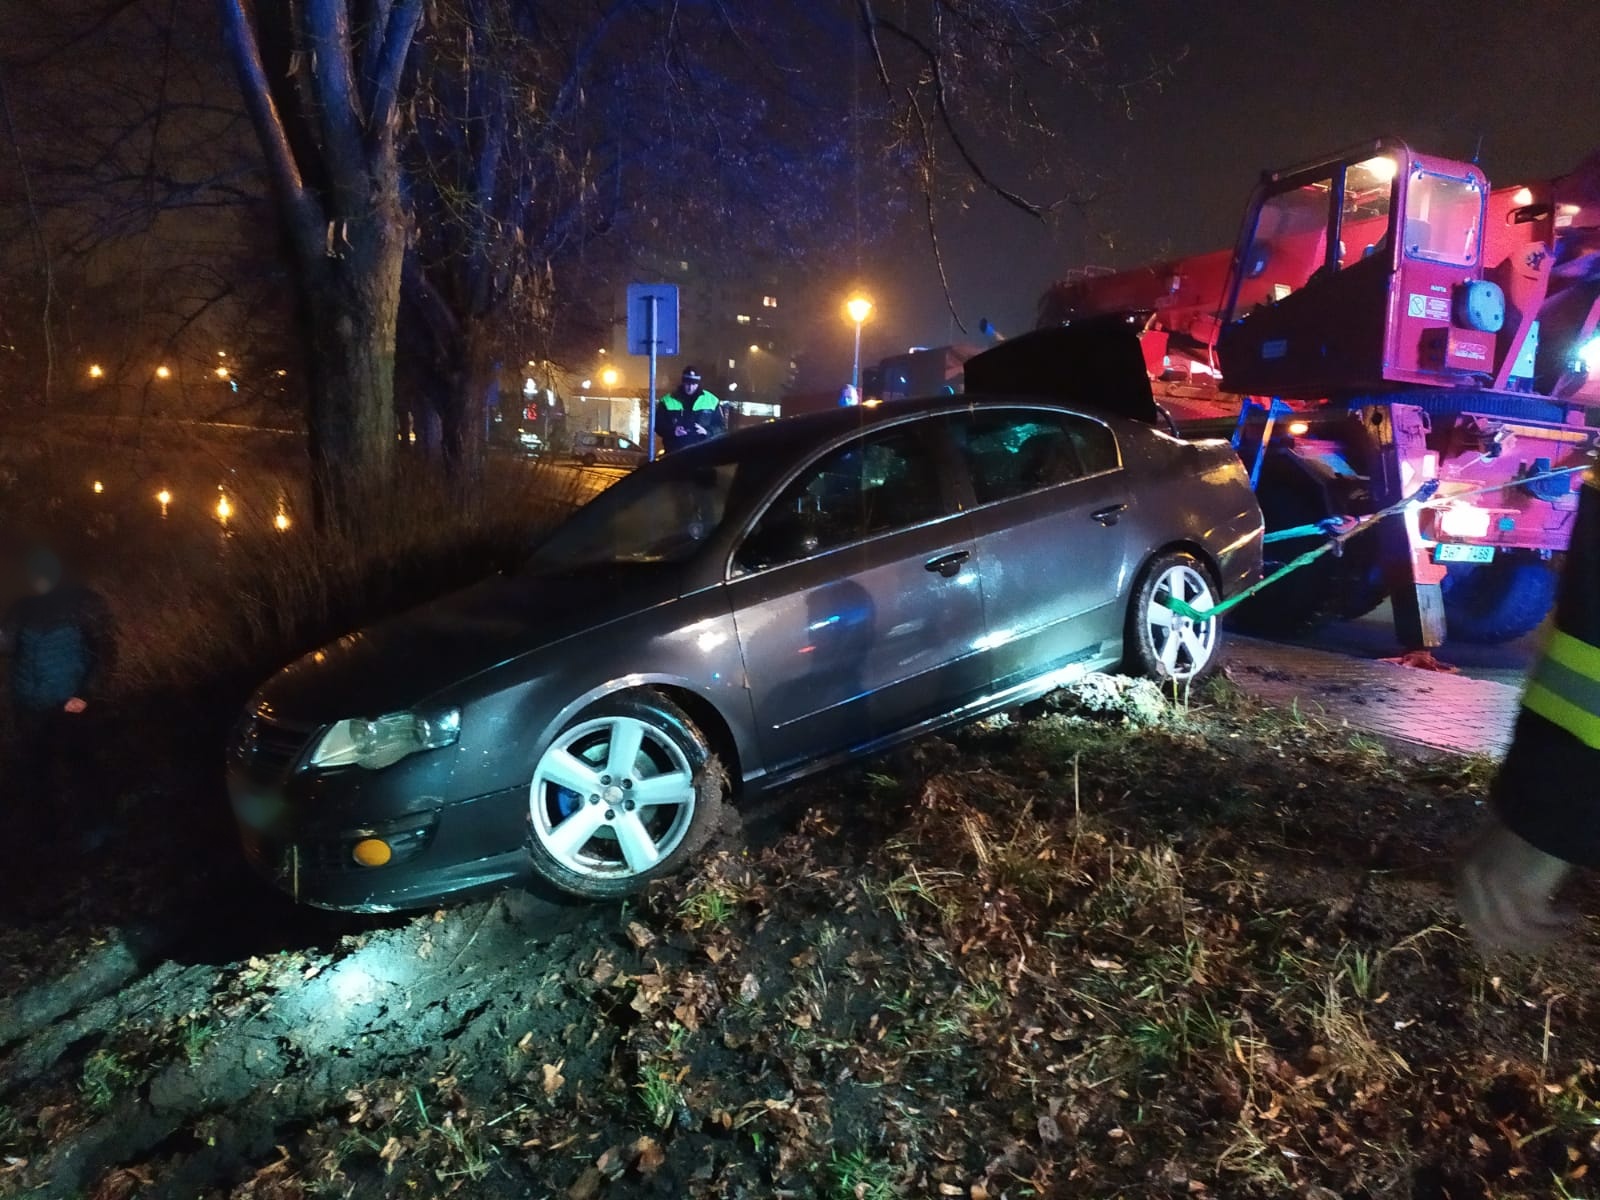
1434,308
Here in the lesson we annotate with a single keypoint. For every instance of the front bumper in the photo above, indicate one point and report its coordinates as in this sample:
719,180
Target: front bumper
446,854
300,830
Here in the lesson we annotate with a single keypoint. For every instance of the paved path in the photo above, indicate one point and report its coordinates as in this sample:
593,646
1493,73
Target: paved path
1424,709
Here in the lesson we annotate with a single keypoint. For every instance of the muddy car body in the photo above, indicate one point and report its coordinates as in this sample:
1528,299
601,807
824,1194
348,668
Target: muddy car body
746,612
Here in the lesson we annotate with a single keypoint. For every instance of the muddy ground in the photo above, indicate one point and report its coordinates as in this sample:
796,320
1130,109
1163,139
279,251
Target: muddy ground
1200,951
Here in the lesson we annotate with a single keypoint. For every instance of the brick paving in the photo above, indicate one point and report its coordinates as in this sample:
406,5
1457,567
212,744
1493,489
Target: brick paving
1431,710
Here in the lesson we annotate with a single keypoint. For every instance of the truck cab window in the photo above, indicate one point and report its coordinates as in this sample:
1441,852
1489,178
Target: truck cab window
1442,219
1289,245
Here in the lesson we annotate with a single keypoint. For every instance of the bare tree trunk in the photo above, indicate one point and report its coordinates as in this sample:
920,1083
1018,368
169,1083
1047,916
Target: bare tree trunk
474,385
350,311
335,107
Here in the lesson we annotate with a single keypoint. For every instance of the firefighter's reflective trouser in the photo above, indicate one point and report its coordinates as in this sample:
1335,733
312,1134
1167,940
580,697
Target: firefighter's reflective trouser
1548,788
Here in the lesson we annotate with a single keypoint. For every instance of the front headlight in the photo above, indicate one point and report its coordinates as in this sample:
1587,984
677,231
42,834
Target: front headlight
386,740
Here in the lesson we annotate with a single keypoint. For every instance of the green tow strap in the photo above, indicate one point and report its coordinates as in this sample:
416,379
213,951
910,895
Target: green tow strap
1335,540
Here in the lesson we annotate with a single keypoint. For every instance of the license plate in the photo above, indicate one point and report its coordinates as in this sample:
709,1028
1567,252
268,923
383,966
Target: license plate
1463,552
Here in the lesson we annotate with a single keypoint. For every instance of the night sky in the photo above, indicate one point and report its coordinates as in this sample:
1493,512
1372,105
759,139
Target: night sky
1263,84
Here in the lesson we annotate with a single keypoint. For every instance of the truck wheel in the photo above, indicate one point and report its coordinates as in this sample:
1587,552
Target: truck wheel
1487,603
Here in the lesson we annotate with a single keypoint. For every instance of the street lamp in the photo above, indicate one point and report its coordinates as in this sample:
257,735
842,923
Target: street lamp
858,308
163,372
609,377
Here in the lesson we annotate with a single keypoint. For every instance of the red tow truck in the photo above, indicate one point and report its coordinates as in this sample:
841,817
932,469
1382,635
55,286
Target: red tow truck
1385,319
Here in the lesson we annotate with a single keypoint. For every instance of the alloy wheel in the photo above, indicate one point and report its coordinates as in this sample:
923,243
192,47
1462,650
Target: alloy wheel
612,798
1182,645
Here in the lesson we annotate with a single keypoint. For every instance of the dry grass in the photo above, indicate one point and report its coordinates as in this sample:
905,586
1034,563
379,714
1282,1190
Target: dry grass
197,598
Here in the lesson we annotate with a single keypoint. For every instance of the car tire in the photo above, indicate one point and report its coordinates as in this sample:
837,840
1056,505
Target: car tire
589,834
1159,643
586,459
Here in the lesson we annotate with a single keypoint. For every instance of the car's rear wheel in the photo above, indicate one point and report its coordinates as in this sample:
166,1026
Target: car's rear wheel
1161,643
624,794
586,459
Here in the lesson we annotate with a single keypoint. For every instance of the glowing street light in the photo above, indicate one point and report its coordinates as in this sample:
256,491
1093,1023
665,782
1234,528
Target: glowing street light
163,372
281,521
222,372
163,498
224,509
98,487
609,377
96,371
858,308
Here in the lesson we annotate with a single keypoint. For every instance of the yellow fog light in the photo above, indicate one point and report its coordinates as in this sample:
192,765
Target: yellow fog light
372,852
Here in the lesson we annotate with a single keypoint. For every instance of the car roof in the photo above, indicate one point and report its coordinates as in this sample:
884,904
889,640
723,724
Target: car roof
825,426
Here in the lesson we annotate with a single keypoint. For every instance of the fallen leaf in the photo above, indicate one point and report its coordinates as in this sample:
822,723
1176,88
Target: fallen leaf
803,1020
553,1079
611,1164
639,935
1049,1131
1107,964
648,1155
525,1041
749,988
587,1187
391,1152
716,953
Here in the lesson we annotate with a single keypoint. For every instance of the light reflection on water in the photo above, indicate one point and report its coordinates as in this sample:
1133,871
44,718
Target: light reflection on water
111,505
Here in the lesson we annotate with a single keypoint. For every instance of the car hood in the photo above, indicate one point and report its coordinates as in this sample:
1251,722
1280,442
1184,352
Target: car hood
399,663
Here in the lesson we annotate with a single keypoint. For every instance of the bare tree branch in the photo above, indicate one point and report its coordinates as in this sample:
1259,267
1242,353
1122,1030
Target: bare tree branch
338,111
401,30
306,216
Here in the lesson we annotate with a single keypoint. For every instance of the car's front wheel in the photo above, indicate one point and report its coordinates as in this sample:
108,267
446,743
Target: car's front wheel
625,794
1164,644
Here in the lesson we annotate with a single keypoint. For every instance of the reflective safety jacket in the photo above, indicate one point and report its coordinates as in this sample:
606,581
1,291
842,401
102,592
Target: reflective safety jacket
673,410
1548,788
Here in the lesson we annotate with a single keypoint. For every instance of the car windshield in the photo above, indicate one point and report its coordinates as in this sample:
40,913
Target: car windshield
663,512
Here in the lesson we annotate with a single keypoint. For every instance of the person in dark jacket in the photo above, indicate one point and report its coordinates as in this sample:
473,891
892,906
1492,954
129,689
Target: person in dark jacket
688,414
61,647
1546,796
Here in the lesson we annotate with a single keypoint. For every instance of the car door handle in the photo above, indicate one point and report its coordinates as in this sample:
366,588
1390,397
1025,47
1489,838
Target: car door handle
1109,516
949,565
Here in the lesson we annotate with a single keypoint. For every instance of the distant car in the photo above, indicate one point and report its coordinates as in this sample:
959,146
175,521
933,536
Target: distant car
532,444
733,617
591,447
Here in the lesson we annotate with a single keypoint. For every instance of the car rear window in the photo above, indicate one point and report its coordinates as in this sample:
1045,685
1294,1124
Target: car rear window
1011,452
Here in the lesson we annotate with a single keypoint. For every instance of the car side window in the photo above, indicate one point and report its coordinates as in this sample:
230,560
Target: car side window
1011,452
873,485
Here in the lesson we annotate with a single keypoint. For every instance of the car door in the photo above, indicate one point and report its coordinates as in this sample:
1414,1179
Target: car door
856,599
1049,502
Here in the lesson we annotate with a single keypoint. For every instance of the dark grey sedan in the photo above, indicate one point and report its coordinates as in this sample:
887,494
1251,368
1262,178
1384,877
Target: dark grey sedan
729,619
